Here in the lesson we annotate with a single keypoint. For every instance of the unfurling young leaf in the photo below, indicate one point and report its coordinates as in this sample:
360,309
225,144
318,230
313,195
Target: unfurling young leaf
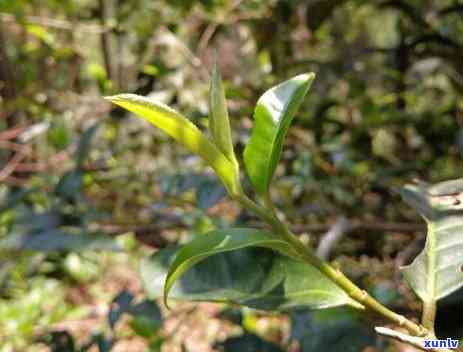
219,123
272,117
437,271
226,266
184,132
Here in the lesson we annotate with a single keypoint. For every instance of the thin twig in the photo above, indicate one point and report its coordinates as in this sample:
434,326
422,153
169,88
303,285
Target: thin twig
194,60
12,133
329,240
10,167
105,40
54,160
17,147
417,342
212,27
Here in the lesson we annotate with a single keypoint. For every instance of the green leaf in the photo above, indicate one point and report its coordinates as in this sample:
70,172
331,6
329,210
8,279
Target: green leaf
184,132
255,277
437,271
219,122
273,115
220,241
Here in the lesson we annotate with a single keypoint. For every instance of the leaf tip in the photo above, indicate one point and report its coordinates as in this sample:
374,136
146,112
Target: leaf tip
306,78
119,97
111,97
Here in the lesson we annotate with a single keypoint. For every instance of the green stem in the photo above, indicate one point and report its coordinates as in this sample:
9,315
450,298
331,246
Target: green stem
357,294
429,316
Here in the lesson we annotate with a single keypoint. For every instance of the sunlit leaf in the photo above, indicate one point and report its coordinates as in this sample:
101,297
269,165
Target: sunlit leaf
219,122
184,132
272,117
438,270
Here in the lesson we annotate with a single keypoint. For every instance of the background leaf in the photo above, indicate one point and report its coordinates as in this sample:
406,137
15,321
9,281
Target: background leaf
119,306
272,117
437,271
209,193
254,277
246,343
85,142
56,240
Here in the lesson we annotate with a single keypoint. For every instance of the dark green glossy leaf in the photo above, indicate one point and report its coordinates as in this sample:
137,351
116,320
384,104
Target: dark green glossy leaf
220,241
272,117
255,277
437,271
219,122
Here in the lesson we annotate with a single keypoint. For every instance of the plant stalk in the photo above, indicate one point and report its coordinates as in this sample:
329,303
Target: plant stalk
429,316
357,294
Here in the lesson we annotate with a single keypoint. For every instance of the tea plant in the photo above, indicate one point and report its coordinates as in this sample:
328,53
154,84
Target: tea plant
272,269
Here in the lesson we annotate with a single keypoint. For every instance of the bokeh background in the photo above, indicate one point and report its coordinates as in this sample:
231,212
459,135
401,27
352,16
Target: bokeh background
87,190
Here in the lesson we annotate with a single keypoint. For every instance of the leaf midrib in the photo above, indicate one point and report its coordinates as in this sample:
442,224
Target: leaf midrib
431,263
279,132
